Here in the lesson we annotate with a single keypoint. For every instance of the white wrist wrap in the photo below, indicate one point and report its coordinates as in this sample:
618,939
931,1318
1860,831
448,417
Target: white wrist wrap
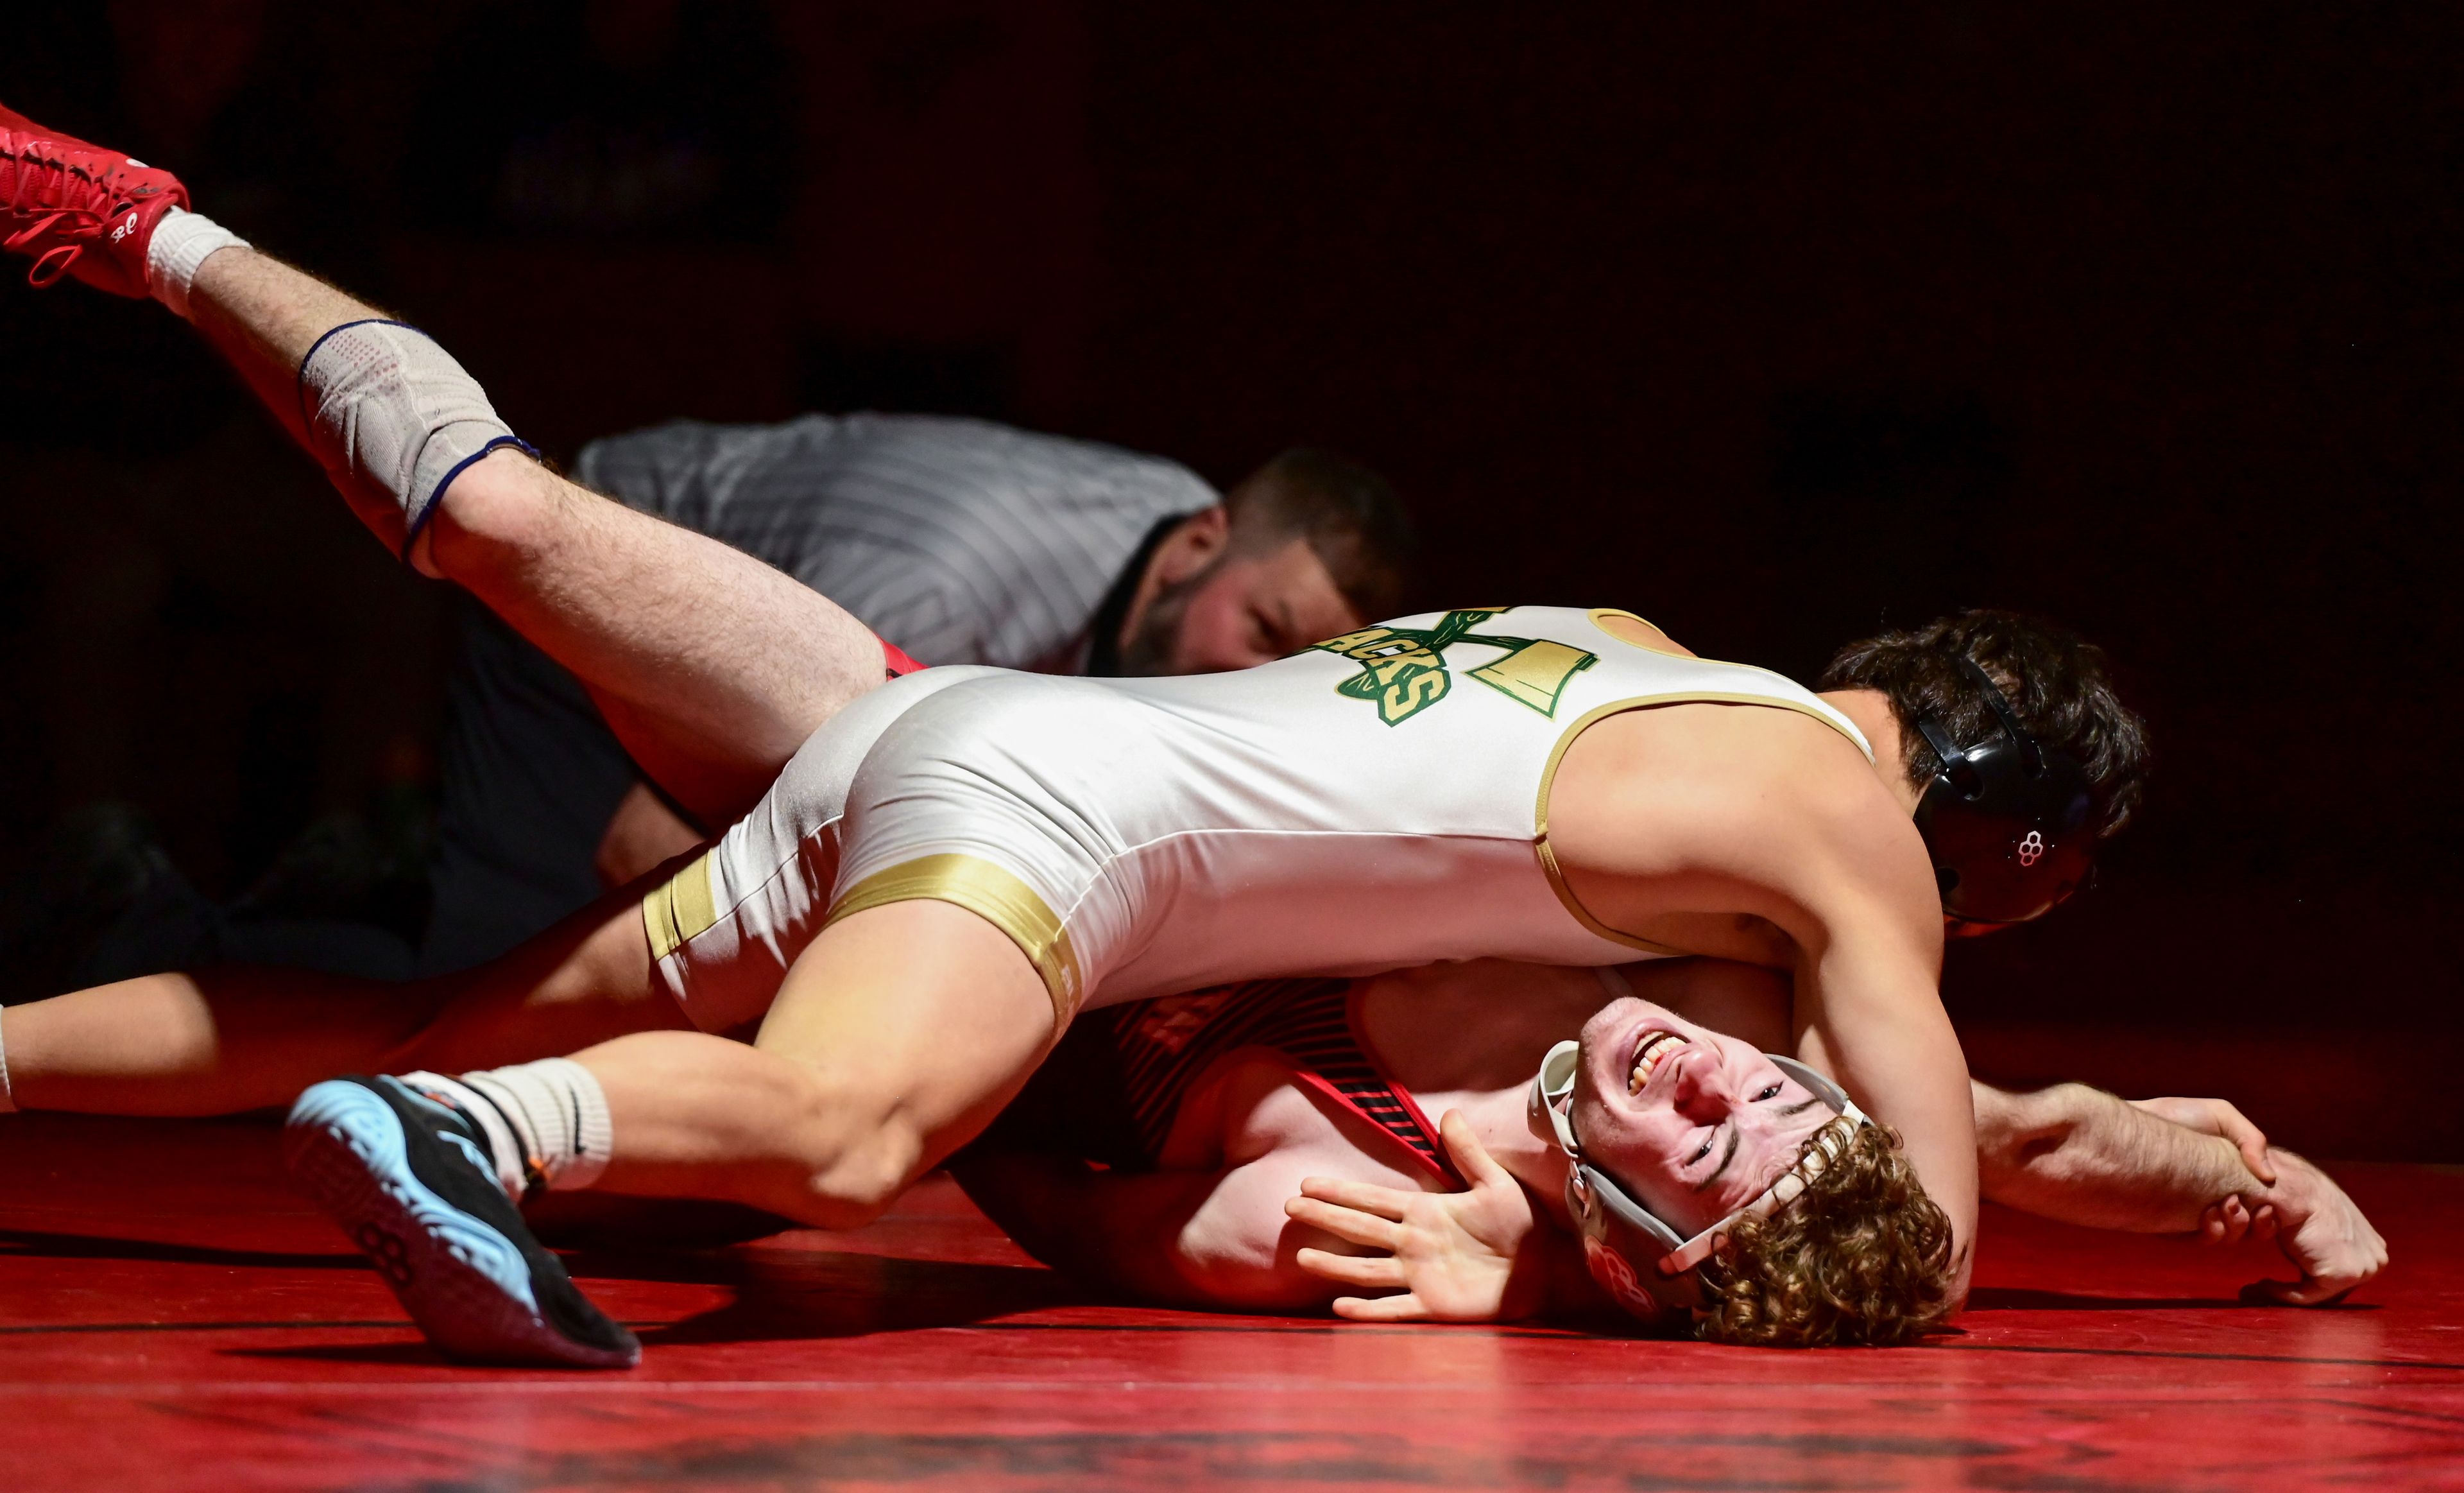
394,418
182,243
8,1100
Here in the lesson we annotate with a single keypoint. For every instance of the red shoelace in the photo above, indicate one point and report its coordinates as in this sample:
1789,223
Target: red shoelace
75,227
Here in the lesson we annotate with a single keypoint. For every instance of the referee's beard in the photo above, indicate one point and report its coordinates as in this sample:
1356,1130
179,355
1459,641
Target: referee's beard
1150,648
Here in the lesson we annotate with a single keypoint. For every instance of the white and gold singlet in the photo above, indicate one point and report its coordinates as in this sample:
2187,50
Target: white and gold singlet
1377,801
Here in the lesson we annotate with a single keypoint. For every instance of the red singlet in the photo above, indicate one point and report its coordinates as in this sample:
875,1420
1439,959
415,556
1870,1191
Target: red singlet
1112,1090
894,659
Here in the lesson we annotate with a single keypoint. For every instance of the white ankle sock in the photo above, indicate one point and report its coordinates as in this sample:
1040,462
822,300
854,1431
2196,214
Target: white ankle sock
506,1152
182,243
546,1122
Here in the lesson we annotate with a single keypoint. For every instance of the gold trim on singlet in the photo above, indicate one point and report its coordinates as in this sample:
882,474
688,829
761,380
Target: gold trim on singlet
1598,612
1540,846
1855,739
991,893
680,908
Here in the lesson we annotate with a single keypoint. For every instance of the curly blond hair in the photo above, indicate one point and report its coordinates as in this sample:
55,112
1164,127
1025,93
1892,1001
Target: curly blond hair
1861,1257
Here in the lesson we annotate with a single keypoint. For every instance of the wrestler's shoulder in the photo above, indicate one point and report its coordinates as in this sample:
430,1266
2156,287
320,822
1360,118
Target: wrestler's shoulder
1749,749
1245,1104
1703,783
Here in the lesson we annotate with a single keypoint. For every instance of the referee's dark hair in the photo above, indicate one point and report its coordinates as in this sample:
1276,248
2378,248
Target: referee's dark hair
1347,513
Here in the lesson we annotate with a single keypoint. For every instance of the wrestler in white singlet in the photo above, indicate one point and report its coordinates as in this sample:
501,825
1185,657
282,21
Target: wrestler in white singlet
1377,801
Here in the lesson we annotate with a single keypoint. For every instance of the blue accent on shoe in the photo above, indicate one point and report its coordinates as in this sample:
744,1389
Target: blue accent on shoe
409,1179
376,1136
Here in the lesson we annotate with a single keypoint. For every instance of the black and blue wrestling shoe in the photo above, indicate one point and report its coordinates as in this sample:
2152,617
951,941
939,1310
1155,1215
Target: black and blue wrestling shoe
409,1181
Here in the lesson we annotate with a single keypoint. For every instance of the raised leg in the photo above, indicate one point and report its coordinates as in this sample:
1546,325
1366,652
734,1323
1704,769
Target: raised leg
712,667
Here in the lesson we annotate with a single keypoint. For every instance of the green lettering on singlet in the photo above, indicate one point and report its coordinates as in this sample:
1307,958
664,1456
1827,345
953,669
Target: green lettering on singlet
1404,669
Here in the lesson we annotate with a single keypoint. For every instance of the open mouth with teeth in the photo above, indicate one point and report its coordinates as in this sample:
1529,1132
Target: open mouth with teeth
1649,1053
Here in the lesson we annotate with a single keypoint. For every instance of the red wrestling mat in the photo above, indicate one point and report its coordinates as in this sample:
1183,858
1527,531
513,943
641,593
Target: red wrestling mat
170,1319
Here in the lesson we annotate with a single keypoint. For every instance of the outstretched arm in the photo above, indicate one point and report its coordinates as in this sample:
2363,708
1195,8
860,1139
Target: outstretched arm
2082,1156
2071,1154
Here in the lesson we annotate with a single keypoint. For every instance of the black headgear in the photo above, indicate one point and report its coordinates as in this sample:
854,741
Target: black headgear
2006,820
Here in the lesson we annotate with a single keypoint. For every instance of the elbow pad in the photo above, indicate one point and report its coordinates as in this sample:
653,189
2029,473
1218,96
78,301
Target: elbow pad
393,419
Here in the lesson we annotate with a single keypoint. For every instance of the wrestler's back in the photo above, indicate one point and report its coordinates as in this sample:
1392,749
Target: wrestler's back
1375,802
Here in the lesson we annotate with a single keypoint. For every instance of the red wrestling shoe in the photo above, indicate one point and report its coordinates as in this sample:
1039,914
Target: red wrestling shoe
78,209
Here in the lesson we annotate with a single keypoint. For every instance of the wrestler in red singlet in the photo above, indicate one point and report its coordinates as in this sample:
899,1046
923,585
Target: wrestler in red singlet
1112,1090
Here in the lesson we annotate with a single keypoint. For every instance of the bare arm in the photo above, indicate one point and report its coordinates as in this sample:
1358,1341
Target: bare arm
1866,1009
1209,1234
1867,922
2083,1156
1681,824
1213,1239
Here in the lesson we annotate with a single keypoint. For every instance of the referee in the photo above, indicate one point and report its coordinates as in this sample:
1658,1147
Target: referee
959,541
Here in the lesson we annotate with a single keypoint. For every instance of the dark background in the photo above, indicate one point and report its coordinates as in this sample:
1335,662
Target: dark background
1777,329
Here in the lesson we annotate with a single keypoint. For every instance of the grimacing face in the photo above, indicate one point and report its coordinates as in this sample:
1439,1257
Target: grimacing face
1693,1124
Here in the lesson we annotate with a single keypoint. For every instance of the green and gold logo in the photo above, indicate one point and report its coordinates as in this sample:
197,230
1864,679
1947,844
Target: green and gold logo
1404,669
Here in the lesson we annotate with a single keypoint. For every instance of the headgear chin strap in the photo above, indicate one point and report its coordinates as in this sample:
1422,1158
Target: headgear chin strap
2006,820
1646,1267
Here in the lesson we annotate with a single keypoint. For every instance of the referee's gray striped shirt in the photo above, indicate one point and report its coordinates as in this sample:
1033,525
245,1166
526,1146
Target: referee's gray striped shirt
959,541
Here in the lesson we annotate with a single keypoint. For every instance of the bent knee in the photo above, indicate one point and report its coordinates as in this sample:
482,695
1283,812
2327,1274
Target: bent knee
855,1161
868,1173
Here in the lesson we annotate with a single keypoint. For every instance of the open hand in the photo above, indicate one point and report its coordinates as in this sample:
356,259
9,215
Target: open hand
1453,1256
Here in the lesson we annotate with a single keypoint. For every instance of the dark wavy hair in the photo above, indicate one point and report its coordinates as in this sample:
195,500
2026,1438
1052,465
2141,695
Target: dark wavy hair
1861,1258
2060,684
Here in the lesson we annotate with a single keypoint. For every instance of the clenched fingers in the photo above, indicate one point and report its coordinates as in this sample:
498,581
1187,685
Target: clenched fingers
2228,1221
2298,1293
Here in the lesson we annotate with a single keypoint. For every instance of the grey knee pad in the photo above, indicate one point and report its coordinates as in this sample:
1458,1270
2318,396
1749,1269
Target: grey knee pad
394,418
